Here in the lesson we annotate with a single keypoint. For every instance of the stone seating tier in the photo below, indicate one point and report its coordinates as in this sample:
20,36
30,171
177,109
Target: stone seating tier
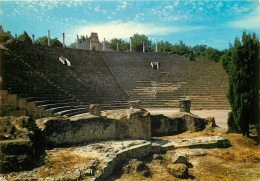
111,79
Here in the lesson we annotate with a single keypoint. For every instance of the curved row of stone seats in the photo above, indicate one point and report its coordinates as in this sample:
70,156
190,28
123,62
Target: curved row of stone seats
208,86
204,81
130,68
91,68
144,83
42,60
21,77
112,78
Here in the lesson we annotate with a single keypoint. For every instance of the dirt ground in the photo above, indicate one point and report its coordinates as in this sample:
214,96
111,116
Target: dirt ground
240,162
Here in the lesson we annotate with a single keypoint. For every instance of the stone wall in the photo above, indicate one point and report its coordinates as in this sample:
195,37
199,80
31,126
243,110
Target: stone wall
178,123
116,125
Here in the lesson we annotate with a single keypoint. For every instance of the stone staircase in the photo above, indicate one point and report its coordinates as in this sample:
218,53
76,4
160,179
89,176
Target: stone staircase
208,86
153,94
204,82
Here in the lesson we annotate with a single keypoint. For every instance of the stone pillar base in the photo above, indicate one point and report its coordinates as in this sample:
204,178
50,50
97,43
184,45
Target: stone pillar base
135,104
184,105
94,109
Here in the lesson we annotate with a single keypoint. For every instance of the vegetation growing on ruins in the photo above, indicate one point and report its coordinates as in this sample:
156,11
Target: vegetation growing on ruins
5,36
123,46
198,51
81,39
137,43
241,64
44,41
25,38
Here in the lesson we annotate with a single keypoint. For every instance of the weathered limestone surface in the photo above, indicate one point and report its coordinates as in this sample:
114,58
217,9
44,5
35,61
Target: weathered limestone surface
179,158
13,127
179,123
136,152
60,131
132,123
198,142
17,152
120,124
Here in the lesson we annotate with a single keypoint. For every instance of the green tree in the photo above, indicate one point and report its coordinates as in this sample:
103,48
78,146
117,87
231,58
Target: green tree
122,45
241,63
44,42
55,43
137,42
81,39
181,49
25,38
212,54
5,36
164,47
199,50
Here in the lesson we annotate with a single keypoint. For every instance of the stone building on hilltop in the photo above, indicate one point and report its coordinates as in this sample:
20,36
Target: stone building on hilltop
92,43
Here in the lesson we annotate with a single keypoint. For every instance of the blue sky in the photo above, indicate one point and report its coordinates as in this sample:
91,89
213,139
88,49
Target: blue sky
203,22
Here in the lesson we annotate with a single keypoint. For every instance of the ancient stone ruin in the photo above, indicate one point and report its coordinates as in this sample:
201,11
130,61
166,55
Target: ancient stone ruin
109,79
27,139
184,105
58,102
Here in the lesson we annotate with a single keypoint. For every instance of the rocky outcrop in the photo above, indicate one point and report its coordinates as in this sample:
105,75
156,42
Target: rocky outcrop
135,165
17,151
179,158
16,155
178,170
16,127
179,166
23,139
132,123
115,125
179,123
64,131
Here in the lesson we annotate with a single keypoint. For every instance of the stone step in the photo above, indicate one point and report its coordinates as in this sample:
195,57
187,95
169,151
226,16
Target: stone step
50,106
75,113
35,99
47,102
70,111
63,108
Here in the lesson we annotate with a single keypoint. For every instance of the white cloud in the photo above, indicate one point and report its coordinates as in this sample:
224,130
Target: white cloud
201,9
97,8
176,3
250,21
169,7
123,5
119,29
